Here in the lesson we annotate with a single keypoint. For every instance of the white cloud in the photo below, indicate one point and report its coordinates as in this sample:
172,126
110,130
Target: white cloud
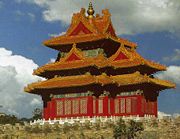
172,74
55,35
129,16
169,100
174,57
35,101
16,73
52,60
31,16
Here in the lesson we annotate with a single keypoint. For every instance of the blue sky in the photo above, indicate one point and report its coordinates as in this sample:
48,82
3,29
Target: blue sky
25,24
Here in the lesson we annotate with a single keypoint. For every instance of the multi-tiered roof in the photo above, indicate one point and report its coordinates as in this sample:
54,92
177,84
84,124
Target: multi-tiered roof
117,67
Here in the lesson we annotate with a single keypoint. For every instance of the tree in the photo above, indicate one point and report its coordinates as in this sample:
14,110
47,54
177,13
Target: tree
37,114
9,119
120,129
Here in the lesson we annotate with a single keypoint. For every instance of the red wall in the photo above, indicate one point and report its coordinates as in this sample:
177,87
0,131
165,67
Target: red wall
102,106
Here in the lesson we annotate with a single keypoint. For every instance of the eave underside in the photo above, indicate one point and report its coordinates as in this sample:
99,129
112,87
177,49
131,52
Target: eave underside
148,89
94,70
103,43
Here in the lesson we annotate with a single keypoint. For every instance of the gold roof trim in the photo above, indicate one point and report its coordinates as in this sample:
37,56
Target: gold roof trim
121,49
75,51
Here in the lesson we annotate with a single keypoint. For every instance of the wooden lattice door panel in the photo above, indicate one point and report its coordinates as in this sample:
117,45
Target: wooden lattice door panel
100,106
116,105
59,108
75,106
128,105
67,107
134,105
122,105
83,106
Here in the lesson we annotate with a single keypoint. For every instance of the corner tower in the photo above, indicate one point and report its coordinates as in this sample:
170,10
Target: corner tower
97,73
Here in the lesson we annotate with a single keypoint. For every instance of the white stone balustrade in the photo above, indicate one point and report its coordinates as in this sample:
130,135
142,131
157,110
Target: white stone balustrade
92,120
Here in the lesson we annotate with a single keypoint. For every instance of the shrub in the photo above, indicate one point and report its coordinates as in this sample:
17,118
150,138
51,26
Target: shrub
75,126
87,125
9,119
134,128
66,128
119,129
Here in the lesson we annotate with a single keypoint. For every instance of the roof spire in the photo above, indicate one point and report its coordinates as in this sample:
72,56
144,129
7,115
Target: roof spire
90,11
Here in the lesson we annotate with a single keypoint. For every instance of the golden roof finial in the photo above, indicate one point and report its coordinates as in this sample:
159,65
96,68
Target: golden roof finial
90,11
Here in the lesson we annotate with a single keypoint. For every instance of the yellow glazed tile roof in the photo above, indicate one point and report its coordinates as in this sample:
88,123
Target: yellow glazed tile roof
98,26
134,59
87,79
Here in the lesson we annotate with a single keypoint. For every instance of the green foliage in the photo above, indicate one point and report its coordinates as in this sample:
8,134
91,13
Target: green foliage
87,125
110,124
133,129
9,119
66,128
130,131
75,126
119,129
37,114
12,119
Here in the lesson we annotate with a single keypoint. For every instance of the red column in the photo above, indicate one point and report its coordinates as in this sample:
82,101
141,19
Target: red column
53,108
97,104
105,106
112,107
90,106
139,105
48,110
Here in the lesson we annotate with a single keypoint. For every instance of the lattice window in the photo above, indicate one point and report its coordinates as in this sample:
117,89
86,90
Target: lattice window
83,106
59,107
116,104
75,107
67,105
134,105
122,104
100,106
94,106
128,105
